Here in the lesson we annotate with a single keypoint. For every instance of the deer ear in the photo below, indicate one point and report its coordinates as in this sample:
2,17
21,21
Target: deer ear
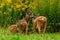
26,9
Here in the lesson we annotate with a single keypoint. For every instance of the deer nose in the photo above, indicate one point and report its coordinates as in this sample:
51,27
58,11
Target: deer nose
32,17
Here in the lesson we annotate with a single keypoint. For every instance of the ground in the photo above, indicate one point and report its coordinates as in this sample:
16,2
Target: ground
5,35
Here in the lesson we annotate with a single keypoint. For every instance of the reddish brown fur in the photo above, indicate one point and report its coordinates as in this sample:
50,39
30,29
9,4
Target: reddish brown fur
22,25
40,22
13,28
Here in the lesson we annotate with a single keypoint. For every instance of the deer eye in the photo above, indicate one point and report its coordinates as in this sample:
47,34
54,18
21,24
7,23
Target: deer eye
30,13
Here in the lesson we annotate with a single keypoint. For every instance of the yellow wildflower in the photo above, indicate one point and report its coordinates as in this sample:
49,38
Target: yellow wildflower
1,5
9,1
23,9
18,6
30,5
26,6
23,5
26,2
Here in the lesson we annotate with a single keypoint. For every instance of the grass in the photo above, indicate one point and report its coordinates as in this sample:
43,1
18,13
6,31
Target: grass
5,35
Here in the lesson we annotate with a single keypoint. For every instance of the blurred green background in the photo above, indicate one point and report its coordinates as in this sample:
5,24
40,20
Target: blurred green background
13,10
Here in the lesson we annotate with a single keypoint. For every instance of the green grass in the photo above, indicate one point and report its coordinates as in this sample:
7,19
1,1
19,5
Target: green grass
5,35
29,37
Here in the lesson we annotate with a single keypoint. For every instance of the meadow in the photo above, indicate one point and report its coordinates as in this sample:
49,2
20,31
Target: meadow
13,10
6,35
47,36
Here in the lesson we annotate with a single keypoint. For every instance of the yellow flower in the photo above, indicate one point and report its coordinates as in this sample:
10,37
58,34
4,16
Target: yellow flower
23,5
23,9
26,6
9,1
30,5
26,2
18,6
1,5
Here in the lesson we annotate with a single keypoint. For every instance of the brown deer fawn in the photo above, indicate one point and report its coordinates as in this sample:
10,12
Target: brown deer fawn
13,28
38,21
23,24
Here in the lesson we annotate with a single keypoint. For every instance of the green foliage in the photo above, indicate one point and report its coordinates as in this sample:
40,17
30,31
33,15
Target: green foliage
11,12
46,36
6,35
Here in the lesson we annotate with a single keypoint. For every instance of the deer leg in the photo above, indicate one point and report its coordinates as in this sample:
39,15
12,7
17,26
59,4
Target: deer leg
20,30
44,28
26,29
39,27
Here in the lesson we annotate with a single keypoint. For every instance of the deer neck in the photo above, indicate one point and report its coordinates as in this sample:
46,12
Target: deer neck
27,19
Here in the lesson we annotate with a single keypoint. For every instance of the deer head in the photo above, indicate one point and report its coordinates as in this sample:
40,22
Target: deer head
29,14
